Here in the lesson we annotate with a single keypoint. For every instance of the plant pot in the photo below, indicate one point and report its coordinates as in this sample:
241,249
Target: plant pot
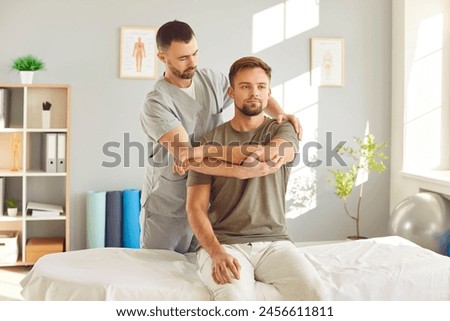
12,211
26,77
46,117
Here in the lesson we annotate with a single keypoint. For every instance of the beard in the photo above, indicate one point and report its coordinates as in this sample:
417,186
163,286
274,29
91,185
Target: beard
251,109
185,74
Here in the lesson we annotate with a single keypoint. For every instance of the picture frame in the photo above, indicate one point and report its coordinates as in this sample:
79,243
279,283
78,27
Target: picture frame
138,52
327,62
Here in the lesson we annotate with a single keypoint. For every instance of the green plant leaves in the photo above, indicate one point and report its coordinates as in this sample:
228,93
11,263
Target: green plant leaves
368,155
27,63
344,181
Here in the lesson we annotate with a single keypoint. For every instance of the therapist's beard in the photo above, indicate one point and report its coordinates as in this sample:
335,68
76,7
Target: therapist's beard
186,74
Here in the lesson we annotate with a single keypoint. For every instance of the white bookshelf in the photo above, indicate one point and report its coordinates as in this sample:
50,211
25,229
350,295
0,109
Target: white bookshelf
30,182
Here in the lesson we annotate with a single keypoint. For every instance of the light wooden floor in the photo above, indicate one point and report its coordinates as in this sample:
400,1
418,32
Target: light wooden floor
10,278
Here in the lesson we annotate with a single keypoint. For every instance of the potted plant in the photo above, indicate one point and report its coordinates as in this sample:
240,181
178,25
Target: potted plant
367,157
46,120
11,206
27,65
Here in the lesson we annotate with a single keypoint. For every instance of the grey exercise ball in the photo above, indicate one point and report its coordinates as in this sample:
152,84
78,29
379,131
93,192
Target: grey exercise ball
424,219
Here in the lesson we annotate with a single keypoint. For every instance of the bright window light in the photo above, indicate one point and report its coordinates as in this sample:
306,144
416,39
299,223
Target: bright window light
429,37
423,112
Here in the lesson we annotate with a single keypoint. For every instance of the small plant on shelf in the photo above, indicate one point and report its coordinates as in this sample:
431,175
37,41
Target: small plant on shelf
46,105
27,63
11,206
11,203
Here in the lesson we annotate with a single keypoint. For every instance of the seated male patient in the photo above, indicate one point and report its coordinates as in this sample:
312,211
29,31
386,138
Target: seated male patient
240,223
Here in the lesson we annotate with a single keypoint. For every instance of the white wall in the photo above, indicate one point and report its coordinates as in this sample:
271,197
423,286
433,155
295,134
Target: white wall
79,40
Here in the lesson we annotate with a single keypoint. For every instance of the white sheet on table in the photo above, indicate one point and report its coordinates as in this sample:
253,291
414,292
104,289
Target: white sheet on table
114,274
389,268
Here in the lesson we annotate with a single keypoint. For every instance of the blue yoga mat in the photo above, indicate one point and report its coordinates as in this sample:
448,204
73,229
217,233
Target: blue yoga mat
113,237
130,225
95,219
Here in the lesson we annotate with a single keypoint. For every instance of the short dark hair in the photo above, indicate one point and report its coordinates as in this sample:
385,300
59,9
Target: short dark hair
173,31
248,62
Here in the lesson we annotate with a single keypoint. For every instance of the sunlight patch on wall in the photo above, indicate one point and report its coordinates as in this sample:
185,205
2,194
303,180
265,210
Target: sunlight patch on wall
268,28
423,110
301,16
283,21
299,98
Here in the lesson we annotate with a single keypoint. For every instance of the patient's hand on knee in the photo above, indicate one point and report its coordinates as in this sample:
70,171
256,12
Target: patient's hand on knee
224,268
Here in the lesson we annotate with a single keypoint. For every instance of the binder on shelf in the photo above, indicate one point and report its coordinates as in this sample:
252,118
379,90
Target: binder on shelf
49,153
61,153
36,209
2,195
4,108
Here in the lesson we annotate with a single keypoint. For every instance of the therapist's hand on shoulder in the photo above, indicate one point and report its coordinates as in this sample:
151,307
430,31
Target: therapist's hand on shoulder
295,122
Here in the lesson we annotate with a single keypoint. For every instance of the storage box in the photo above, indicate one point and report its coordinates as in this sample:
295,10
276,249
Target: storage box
9,249
40,246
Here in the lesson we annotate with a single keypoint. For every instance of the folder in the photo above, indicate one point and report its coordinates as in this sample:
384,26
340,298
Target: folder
2,195
48,160
4,108
61,153
44,210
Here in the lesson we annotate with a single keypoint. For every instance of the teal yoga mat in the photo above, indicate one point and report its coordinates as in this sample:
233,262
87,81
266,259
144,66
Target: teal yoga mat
130,225
95,219
113,237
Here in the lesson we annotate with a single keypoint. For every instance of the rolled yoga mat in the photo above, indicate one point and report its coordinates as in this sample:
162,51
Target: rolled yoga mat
113,232
95,219
130,225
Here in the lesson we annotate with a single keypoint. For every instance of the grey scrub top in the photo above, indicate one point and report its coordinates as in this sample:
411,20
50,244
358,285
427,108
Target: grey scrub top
165,108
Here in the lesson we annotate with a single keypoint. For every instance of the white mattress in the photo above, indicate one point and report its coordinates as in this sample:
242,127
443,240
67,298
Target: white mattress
389,268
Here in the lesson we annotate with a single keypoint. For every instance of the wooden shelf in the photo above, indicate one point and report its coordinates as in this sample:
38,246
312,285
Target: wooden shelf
31,183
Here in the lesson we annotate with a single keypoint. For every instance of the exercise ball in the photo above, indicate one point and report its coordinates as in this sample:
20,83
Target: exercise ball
424,219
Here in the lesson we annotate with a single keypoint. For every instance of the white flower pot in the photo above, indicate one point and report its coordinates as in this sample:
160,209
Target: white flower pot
12,211
46,118
26,77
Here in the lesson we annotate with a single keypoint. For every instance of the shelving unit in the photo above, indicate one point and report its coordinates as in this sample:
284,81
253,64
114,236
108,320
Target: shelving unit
30,183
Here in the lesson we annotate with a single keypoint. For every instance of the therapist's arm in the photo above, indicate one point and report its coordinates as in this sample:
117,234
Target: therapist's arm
265,160
241,162
177,143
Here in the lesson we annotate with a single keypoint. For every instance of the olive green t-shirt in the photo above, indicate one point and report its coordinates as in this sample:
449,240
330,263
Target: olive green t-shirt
249,210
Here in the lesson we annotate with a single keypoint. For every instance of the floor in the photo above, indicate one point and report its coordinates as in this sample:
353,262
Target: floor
10,278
